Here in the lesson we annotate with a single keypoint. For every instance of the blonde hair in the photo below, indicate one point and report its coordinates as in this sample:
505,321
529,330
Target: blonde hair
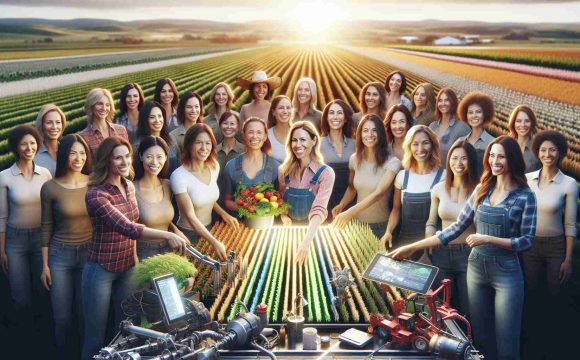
93,97
45,109
409,162
291,165
313,92
429,94
228,90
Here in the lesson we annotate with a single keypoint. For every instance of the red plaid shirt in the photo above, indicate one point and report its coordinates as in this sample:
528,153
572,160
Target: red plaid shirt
114,226
94,138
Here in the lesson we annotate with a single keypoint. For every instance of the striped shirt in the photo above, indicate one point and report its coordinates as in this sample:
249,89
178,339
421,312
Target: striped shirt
114,228
522,216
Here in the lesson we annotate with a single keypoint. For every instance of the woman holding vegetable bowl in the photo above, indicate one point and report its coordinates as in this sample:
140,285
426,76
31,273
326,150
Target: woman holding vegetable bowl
305,182
253,167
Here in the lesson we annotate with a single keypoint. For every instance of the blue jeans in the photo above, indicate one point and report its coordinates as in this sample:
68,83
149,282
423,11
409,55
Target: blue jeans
452,263
148,249
97,287
24,251
495,286
66,263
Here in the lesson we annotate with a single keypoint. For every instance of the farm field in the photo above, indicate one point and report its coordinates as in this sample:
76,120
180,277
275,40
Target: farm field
30,69
559,58
340,74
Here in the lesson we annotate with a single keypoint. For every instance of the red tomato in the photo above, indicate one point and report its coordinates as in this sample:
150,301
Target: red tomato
243,192
245,205
240,202
251,209
268,194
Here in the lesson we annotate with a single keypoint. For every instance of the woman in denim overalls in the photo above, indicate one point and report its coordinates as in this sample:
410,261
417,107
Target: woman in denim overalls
305,182
412,197
503,209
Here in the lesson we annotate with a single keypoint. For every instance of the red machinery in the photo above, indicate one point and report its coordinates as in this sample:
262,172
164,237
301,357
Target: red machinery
426,325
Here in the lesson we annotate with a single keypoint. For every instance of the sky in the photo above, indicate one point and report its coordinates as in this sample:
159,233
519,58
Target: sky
326,11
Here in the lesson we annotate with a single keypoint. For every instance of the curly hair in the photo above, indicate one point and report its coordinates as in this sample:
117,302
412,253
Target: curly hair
555,138
481,99
17,133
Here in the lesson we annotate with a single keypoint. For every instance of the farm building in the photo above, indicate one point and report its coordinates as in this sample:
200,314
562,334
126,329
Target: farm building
449,40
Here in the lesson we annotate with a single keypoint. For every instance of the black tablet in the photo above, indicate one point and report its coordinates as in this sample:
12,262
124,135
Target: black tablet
405,274
169,298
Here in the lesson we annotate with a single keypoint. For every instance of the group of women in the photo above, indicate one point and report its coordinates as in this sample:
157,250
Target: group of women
422,173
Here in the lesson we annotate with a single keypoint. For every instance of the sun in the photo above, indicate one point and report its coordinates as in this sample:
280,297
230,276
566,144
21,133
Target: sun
316,18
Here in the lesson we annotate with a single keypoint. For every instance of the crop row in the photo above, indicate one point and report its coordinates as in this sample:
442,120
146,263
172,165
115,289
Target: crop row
14,71
566,59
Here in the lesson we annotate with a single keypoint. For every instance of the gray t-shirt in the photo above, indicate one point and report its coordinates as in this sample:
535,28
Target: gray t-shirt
329,152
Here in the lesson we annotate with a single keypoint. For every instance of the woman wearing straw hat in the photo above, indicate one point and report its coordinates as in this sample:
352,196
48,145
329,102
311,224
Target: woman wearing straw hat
261,88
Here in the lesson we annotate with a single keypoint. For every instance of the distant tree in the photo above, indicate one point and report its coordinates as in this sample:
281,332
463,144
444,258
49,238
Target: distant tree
517,35
191,37
48,40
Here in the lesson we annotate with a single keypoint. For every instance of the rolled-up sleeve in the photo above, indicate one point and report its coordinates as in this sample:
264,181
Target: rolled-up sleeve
528,225
464,220
99,205
571,210
325,185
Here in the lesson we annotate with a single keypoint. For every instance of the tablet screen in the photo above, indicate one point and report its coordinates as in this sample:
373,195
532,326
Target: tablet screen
405,274
171,302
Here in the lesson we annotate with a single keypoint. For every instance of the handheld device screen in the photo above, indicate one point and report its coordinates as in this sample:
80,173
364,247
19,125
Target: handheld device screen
171,303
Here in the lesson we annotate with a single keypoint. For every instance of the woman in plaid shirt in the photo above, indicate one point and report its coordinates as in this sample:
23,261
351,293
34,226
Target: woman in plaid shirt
503,208
111,254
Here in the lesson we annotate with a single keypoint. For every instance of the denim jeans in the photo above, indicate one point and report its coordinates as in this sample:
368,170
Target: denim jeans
452,263
98,285
495,287
147,249
24,251
66,263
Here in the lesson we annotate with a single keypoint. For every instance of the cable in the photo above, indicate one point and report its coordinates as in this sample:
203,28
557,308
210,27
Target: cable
266,352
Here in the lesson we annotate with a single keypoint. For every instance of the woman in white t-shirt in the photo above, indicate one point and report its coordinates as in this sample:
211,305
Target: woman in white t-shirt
412,197
279,123
371,173
195,187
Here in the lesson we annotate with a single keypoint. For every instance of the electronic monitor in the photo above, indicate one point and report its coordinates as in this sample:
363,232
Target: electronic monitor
169,298
405,274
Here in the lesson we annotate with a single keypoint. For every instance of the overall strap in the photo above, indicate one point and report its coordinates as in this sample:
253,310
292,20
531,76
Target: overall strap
437,177
317,175
239,172
405,180
268,169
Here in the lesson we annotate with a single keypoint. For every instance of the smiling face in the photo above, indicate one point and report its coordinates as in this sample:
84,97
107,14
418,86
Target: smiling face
27,147
523,124
548,154
335,117
444,104
52,125
153,160
369,134
166,95
399,125
255,135
102,108
221,97
132,99
420,98
475,116
304,93
283,111
395,83
372,98
121,161
302,143
193,109
77,157
229,127
421,147
260,91
155,120
498,160
458,162
201,147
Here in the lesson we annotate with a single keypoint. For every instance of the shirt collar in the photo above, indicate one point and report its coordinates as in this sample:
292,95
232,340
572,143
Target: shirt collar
557,179
42,149
238,147
93,130
15,170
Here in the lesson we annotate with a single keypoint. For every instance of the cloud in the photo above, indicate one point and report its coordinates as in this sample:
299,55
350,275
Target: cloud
115,4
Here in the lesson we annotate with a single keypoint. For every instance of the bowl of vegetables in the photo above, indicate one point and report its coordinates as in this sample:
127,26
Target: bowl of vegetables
259,204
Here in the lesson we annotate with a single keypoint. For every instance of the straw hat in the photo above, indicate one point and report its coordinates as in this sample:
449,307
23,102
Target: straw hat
260,77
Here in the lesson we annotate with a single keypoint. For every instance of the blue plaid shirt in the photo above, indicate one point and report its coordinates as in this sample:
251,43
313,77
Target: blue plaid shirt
522,219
